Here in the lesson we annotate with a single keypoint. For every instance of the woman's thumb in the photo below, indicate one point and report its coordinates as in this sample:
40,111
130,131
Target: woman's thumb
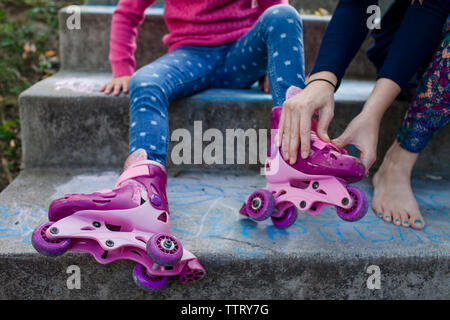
342,140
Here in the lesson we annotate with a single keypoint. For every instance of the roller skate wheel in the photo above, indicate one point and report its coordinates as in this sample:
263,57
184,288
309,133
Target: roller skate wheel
286,219
147,281
164,249
359,207
260,204
51,247
256,203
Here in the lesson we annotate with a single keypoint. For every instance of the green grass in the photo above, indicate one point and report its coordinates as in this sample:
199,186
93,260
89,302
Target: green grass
28,53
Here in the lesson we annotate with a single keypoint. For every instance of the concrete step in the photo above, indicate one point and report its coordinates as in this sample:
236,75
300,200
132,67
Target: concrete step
319,257
87,49
66,122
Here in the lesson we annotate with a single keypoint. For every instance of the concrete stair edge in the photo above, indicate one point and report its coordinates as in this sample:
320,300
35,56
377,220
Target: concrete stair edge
54,133
94,39
300,263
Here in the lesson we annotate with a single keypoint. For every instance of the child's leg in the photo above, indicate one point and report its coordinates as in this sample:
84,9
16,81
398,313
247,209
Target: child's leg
428,112
273,45
180,73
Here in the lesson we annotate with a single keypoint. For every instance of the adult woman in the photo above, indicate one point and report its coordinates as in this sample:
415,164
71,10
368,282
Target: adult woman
417,29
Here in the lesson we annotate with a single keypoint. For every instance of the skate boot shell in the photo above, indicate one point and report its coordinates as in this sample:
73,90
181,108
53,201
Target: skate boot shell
309,184
135,228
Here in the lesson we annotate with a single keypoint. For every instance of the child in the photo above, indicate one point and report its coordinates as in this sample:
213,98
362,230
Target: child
212,44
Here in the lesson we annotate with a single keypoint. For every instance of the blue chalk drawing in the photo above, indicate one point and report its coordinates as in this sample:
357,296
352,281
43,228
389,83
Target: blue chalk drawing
212,212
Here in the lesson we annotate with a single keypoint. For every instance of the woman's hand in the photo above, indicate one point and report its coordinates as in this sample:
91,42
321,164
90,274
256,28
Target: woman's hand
362,132
116,85
295,122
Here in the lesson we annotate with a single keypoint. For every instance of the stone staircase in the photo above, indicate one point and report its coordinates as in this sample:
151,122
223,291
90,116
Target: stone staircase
75,140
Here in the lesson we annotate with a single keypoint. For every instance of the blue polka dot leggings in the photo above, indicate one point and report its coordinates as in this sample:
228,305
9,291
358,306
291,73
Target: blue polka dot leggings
273,46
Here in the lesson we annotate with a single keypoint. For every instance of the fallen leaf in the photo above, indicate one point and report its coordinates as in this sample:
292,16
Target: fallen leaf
49,53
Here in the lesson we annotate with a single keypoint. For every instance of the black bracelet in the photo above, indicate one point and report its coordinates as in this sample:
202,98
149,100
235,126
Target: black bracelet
322,80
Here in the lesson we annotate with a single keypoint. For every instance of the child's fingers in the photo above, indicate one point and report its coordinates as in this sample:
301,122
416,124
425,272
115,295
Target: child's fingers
125,86
266,85
117,88
102,88
109,87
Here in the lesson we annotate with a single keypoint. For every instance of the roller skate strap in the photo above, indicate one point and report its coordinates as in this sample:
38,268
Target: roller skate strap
319,144
138,171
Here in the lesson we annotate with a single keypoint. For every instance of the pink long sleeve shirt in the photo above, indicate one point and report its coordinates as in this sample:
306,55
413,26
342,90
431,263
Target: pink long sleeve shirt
190,22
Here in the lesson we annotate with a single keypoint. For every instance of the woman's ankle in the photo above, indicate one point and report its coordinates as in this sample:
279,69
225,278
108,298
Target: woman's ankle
399,159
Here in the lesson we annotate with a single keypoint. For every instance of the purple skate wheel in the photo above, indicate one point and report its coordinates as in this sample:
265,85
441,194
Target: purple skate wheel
286,219
358,209
164,249
146,281
46,246
260,204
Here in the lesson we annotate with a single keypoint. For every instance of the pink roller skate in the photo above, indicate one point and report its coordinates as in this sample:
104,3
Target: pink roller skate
310,184
129,222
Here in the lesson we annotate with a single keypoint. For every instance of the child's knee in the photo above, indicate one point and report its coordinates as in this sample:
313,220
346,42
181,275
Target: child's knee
138,79
143,85
282,16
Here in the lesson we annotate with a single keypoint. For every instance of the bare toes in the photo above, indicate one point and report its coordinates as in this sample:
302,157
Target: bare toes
377,210
416,222
387,215
396,218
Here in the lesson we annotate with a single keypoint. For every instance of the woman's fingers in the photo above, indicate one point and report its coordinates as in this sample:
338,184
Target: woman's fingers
280,132
294,134
341,141
325,117
285,137
305,132
367,157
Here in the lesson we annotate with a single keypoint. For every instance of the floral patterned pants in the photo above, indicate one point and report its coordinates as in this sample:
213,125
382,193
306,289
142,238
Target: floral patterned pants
429,109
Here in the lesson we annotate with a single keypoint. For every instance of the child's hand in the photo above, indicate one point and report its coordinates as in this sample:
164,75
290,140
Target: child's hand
362,132
263,84
116,85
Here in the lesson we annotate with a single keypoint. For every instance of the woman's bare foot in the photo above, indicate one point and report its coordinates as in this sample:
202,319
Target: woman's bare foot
393,199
